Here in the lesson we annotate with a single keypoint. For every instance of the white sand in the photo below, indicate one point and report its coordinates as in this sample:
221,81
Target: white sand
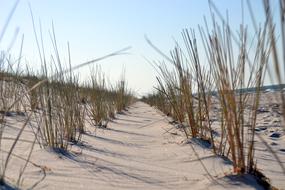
134,152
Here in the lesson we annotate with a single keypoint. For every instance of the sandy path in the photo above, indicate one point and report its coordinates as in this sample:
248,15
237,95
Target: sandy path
134,152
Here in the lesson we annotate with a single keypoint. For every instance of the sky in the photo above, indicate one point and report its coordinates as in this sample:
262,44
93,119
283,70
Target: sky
94,28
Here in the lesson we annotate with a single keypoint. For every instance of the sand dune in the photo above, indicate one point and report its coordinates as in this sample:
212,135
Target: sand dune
138,150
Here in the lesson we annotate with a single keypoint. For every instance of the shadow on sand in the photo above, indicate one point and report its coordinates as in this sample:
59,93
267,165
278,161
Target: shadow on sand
113,141
6,186
240,180
101,167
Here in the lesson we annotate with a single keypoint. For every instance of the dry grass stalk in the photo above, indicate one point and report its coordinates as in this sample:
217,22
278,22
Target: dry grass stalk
98,106
231,73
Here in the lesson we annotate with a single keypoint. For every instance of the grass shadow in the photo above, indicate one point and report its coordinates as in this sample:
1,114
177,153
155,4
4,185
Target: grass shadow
6,186
206,144
129,120
127,132
240,180
113,141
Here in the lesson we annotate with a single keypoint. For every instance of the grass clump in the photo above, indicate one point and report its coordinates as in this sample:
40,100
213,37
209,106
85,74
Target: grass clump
191,87
158,100
63,116
51,99
103,101
98,102
187,89
123,96
230,77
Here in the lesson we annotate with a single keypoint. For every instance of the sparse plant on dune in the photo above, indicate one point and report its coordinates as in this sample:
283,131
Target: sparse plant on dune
228,75
187,89
169,87
52,97
11,89
60,97
158,100
276,42
71,112
110,101
104,101
30,79
201,85
121,101
230,78
98,106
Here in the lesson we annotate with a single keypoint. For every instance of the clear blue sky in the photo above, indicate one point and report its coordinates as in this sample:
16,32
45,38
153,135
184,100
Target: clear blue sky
97,27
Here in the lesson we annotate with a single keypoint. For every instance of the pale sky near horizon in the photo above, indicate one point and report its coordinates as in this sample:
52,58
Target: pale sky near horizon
95,28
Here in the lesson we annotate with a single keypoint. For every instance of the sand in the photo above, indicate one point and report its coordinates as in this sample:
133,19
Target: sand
138,150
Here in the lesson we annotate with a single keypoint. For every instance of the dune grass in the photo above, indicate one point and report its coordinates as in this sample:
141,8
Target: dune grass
229,75
278,57
184,91
11,90
232,65
51,98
